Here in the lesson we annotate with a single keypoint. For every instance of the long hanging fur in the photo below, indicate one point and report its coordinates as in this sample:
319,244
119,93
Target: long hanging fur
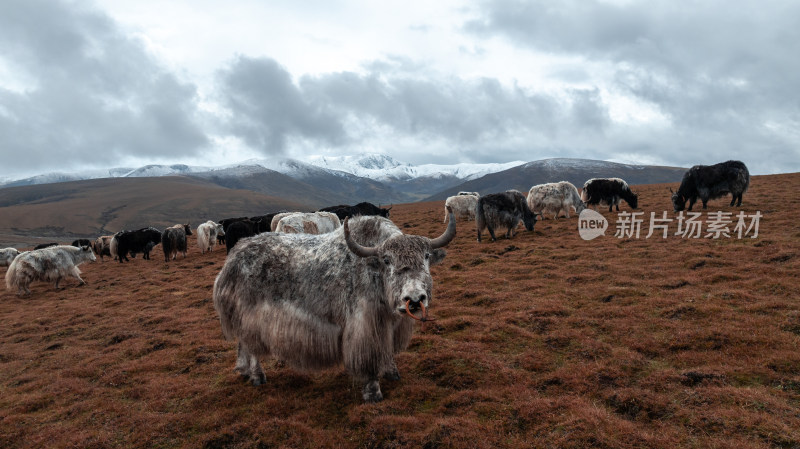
48,264
310,301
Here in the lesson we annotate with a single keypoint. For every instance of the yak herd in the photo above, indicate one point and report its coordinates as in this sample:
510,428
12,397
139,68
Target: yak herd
343,286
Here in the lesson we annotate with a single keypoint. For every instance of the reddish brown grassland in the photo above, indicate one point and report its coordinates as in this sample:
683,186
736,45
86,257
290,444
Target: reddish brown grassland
543,340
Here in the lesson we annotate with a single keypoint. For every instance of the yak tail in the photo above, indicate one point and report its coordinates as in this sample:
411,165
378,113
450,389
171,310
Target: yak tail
12,281
746,179
225,305
480,217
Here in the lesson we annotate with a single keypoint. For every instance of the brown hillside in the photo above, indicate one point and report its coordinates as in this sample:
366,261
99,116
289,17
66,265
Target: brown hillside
543,340
64,211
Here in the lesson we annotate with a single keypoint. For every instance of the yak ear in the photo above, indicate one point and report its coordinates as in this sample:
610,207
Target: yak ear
437,256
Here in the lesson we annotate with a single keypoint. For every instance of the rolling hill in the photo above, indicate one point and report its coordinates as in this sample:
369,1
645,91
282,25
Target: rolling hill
576,171
64,211
149,196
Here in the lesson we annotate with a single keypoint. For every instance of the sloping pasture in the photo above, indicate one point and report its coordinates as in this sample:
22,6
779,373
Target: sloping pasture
541,340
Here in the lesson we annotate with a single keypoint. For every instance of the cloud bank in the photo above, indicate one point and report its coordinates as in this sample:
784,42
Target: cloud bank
647,82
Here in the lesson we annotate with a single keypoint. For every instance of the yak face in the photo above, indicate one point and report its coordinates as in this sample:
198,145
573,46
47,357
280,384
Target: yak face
87,253
187,229
404,262
633,200
678,202
220,230
528,218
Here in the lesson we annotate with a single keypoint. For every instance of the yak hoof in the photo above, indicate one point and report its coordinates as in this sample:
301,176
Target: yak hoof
258,379
372,392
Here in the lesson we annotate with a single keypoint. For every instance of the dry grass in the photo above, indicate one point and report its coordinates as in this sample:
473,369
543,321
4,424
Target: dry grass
544,340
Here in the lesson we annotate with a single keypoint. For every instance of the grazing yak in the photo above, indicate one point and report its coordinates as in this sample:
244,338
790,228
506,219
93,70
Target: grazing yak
555,197
44,245
319,301
81,242
7,255
237,231
225,222
133,242
102,246
308,223
504,209
709,182
273,226
364,208
207,235
608,191
263,222
48,264
173,241
463,205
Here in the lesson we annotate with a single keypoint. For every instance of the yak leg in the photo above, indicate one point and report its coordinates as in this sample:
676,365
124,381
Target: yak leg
739,203
248,366
392,373
58,279
77,275
733,199
491,232
372,391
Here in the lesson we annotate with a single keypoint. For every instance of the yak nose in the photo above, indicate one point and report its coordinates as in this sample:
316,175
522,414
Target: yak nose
416,299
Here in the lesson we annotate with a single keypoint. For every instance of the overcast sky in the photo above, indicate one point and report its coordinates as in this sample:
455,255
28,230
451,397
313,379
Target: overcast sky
127,82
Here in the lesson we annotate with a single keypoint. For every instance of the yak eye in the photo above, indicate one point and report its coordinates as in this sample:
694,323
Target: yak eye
427,256
387,261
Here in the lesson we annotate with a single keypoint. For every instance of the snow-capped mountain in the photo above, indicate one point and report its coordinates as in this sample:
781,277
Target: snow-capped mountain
384,168
163,170
380,177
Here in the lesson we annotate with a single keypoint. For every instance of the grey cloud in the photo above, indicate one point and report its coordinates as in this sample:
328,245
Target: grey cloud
722,73
94,95
268,109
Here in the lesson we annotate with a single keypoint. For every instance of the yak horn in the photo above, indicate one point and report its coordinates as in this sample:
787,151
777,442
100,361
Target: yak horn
356,248
670,190
449,233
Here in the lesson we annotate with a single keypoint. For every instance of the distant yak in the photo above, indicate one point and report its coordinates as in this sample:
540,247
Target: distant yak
463,205
207,235
710,182
7,255
364,209
47,264
555,197
610,191
173,241
504,209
